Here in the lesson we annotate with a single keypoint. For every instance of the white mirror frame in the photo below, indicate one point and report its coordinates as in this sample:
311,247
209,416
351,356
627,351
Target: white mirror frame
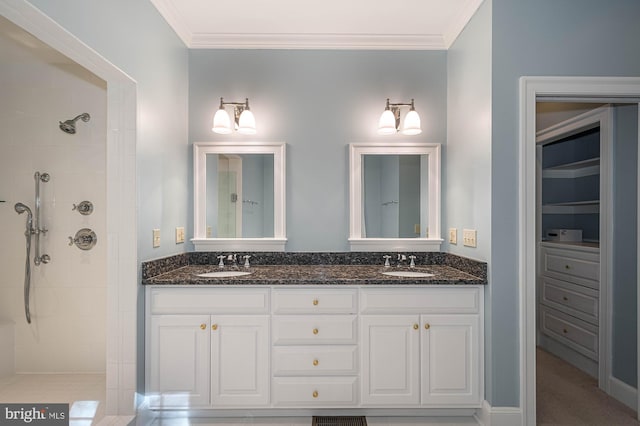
356,241
200,241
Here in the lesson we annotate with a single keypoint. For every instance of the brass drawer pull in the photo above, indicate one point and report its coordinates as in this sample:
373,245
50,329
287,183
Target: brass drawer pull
315,302
203,326
427,326
214,327
315,331
315,362
416,326
315,394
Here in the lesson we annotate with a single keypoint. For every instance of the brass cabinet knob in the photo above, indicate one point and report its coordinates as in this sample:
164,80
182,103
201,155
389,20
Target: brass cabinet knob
214,327
315,302
315,394
315,331
203,326
427,326
315,362
416,326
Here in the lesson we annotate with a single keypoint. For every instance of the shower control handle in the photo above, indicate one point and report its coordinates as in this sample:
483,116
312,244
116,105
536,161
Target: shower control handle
84,207
85,239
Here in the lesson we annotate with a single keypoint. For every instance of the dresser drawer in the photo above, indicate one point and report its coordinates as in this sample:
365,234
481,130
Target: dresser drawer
314,301
579,301
315,361
577,334
314,391
463,299
314,329
575,266
209,300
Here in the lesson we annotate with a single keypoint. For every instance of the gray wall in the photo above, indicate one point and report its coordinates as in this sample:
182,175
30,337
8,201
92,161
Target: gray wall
317,102
536,38
133,36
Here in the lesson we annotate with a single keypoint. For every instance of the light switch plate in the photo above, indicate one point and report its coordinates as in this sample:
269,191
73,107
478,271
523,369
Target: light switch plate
156,238
179,234
469,237
453,235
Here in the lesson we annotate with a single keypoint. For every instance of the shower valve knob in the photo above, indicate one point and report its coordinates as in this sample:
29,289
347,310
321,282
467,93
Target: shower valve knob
84,207
85,239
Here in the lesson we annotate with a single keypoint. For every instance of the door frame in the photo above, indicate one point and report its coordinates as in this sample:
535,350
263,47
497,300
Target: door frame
602,89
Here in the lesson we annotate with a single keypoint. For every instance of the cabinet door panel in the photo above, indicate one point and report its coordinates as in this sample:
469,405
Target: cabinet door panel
240,360
390,360
179,361
450,348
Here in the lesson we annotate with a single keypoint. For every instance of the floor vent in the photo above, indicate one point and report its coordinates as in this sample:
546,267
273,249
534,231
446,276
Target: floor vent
339,421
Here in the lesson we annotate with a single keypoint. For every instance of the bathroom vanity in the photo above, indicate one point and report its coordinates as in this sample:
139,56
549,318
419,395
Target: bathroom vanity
302,338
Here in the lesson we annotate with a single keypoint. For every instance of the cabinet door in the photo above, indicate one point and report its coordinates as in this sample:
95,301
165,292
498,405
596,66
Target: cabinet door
179,361
450,348
390,360
239,360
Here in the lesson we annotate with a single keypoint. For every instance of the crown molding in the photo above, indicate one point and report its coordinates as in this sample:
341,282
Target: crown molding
174,19
457,25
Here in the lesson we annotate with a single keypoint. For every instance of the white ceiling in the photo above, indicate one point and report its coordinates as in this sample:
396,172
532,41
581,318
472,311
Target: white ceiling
318,24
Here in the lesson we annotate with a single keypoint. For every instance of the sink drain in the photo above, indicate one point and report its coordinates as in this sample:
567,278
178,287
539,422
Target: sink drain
339,421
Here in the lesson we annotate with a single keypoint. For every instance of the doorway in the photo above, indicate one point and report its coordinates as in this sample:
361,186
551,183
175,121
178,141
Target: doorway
533,89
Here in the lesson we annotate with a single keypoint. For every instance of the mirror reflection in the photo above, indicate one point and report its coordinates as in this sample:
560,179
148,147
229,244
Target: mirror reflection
240,196
394,196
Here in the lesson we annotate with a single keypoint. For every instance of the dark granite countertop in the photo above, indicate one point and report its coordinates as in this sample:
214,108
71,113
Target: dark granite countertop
315,275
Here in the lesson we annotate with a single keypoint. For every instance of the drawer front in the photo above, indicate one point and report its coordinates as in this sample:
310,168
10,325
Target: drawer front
577,267
315,361
577,334
209,300
314,330
421,300
314,392
576,300
312,301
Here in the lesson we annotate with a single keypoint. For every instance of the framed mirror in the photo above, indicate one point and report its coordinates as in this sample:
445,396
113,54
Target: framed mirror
394,196
239,196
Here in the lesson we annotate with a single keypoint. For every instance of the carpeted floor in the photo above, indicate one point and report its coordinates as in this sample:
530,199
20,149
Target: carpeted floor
567,396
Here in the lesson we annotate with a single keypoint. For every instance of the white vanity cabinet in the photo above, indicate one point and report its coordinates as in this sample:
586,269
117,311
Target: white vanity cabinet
207,347
422,347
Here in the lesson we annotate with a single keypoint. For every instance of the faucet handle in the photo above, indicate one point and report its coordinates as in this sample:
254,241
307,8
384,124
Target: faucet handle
221,263
413,263
246,260
386,258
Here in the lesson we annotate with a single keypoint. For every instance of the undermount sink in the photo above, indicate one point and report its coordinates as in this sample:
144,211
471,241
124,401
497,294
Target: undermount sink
409,274
223,274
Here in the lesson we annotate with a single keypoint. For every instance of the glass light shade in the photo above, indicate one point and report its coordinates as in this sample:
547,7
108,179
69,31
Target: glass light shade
387,123
411,125
221,122
247,123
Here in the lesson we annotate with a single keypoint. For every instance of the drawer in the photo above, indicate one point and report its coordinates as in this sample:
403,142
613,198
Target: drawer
463,299
579,301
314,329
576,334
312,301
577,267
315,361
199,300
314,391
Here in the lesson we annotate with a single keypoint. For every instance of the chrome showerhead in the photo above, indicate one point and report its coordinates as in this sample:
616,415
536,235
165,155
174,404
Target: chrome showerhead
69,126
21,208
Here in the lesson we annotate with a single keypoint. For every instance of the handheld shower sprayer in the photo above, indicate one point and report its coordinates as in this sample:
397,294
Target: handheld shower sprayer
69,126
21,208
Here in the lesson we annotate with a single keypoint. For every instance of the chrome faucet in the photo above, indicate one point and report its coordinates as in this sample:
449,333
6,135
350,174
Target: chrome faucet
233,258
401,259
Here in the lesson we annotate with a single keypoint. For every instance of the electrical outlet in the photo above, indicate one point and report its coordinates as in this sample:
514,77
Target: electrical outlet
469,237
156,238
179,235
453,235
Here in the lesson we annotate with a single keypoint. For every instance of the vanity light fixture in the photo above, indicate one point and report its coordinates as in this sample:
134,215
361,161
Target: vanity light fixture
390,120
243,120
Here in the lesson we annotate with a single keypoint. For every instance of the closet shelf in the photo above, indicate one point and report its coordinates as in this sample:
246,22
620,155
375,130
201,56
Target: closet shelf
576,169
572,207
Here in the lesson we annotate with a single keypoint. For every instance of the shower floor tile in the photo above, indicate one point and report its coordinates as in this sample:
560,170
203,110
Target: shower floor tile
85,393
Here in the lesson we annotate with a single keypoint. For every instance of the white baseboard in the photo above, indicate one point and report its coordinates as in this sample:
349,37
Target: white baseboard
499,416
624,393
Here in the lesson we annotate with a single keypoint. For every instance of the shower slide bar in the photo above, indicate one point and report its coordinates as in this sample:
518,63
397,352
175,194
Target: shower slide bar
33,228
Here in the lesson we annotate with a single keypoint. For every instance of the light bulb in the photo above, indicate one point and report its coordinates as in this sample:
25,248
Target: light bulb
221,122
411,125
387,123
247,123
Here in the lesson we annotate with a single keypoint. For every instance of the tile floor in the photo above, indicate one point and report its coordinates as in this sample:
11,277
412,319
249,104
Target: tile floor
85,394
